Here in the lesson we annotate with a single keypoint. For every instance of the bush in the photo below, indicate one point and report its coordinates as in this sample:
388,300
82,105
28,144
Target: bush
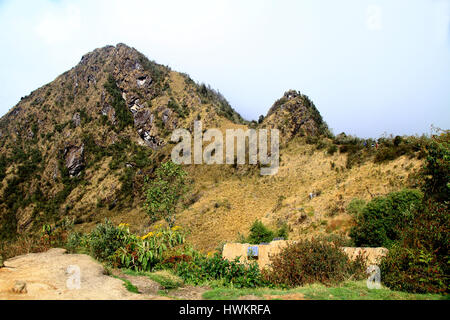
259,233
165,192
75,240
381,220
106,239
419,263
437,168
121,248
172,261
332,149
311,261
203,269
413,270
145,253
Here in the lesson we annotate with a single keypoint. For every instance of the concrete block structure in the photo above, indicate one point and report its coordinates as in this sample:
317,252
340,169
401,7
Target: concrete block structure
246,252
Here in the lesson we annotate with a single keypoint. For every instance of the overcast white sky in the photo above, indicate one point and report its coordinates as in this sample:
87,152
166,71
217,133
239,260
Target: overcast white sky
370,66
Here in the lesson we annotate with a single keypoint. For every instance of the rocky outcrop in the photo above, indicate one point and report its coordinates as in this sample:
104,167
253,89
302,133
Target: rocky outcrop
143,119
74,157
152,141
76,120
295,114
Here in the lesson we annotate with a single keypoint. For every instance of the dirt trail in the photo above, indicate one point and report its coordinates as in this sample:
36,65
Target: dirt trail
48,276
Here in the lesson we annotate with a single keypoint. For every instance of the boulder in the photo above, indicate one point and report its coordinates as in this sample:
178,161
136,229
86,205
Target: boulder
76,119
143,119
19,287
150,140
165,115
74,159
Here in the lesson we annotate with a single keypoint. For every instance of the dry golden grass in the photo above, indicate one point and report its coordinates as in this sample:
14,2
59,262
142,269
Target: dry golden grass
284,198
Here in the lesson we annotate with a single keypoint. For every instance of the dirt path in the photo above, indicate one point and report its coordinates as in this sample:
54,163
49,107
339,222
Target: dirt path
147,286
53,275
188,293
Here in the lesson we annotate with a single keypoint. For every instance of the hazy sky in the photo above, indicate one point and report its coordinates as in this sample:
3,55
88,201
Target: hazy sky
370,66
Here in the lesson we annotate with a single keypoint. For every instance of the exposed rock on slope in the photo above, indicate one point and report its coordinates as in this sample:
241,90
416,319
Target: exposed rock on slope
74,159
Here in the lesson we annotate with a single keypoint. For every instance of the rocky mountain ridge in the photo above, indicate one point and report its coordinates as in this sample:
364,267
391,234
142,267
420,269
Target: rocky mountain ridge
85,141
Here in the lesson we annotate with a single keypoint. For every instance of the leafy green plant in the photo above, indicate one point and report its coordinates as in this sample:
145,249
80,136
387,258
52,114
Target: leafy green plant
420,263
436,171
381,220
106,239
259,233
202,269
165,192
144,253
123,249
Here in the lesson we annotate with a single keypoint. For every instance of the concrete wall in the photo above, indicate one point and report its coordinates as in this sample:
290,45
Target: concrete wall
233,250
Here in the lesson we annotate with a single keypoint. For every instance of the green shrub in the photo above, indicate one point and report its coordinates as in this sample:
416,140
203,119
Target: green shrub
413,270
312,139
311,261
75,240
202,269
106,239
283,232
381,220
123,249
419,263
436,172
144,253
321,144
332,149
165,192
259,233
172,261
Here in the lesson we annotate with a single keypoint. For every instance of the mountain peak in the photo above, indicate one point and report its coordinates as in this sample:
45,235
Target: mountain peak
295,114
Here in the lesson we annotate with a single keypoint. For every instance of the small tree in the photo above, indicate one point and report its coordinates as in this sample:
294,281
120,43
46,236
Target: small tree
259,233
165,192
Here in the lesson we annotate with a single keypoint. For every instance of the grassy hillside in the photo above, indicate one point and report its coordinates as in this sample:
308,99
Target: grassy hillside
81,146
